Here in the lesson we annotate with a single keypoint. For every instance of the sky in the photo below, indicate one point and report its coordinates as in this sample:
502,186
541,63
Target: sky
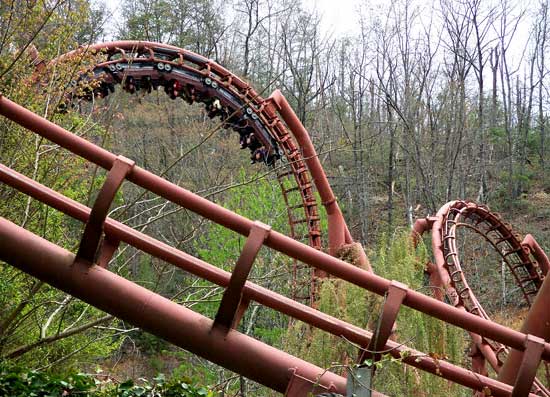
338,17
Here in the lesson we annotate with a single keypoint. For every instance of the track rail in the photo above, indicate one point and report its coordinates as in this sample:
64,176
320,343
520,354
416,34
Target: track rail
145,66
504,240
137,65
52,264
448,270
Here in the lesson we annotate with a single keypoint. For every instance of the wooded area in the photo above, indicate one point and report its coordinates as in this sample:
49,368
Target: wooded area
424,104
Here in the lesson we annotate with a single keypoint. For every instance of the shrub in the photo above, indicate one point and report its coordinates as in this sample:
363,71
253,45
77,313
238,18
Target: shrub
20,382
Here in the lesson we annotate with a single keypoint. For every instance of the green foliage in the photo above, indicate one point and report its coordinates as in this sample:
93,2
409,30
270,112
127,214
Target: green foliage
343,301
18,382
271,336
148,343
221,247
190,25
189,369
259,200
160,387
397,260
54,28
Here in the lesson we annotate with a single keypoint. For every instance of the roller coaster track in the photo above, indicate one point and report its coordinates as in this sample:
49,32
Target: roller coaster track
140,65
143,66
449,273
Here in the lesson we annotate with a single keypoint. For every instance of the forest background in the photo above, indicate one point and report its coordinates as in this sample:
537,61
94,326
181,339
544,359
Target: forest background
416,105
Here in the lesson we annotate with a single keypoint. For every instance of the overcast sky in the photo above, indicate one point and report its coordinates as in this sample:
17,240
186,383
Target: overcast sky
338,16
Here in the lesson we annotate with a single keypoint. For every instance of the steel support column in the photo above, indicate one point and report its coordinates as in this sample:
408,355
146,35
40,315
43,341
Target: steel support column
537,323
338,233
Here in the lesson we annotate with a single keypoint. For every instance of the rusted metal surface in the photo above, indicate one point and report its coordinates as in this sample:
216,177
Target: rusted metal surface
192,331
251,291
91,237
394,298
501,237
145,66
107,249
537,252
154,313
196,79
537,324
528,367
275,240
232,297
525,260
507,244
295,249
338,233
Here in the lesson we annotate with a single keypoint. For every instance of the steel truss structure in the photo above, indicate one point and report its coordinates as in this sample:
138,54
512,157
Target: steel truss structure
271,130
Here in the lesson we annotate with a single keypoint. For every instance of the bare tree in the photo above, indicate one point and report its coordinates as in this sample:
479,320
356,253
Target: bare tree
541,46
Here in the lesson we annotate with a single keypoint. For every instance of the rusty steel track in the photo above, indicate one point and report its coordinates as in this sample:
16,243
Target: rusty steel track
504,240
86,275
447,273
53,265
145,66
507,243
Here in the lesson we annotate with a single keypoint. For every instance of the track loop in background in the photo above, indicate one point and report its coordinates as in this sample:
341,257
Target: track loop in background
139,66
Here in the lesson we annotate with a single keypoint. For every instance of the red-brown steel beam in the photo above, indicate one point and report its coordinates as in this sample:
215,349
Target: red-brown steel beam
536,323
91,237
441,276
154,313
251,291
538,253
187,329
275,240
231,305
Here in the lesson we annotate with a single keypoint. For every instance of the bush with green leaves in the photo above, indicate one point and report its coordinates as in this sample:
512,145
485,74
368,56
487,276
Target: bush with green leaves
19,382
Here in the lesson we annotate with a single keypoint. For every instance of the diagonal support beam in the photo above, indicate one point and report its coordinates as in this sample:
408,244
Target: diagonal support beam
91,237
154,313
529,365
232,307
538,253
394,298
242,225
536,324
108,248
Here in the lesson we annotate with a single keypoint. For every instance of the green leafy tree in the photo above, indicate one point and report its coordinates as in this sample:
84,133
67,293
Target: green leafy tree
33,316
